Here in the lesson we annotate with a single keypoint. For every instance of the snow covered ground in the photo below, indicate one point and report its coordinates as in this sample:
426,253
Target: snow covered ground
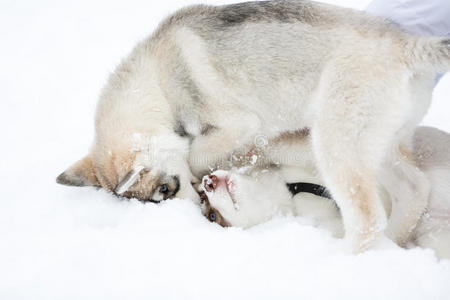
58,242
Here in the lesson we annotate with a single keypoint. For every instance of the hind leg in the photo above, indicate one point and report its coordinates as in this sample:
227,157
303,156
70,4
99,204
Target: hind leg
358,118
408,188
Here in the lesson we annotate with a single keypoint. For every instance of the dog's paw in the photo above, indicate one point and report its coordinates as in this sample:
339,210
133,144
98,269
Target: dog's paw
361,240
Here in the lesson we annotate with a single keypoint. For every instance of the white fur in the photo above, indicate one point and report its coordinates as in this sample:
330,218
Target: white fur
262,195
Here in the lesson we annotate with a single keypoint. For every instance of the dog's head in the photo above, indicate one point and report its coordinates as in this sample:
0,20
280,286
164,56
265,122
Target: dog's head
134,157
243,200
149,169
136,152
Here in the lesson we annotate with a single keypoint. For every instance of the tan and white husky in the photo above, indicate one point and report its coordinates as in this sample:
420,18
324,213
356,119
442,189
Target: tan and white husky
212,79
247,198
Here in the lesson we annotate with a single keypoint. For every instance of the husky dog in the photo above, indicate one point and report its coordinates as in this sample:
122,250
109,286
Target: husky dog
232,198
211,79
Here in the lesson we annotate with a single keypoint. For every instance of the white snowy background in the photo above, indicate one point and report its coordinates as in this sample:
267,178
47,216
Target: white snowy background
59,242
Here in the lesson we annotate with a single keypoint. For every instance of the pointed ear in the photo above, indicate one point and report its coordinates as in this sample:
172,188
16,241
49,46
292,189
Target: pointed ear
79,174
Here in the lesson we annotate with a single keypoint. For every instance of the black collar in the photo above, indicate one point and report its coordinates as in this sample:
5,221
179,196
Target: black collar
304,187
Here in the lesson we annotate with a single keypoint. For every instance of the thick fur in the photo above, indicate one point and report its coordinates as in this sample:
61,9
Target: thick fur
210,80
261,195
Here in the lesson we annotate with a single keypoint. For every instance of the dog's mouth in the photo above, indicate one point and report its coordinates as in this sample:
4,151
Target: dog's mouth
212,182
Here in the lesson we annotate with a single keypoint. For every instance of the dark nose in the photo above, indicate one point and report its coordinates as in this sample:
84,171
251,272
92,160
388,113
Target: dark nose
210,183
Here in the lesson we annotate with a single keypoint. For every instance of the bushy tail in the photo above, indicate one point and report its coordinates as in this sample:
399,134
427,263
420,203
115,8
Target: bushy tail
431,54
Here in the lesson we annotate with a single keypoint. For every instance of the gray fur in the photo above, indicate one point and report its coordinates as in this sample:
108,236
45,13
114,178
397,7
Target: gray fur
72,180
179,129
263,11
64,179
206,129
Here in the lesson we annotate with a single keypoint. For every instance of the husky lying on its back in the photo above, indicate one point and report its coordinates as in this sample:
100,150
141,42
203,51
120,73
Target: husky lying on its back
234,199
211,79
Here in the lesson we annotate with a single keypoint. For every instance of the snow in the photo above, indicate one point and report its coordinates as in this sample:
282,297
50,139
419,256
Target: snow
59,242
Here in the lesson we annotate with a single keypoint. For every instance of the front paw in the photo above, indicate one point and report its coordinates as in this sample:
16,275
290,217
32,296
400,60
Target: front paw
364,238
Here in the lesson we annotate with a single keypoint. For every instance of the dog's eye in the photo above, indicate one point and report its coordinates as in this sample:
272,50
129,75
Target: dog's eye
212,217
164,189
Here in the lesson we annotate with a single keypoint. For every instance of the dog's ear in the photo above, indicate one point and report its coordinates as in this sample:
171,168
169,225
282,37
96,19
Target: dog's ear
79,174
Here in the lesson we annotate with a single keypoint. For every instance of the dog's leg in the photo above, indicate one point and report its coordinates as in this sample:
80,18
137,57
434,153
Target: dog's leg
212,150
408,188
353,186
357,117
407,185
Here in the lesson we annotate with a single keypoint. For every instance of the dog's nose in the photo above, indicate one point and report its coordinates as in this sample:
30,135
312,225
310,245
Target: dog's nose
210,182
